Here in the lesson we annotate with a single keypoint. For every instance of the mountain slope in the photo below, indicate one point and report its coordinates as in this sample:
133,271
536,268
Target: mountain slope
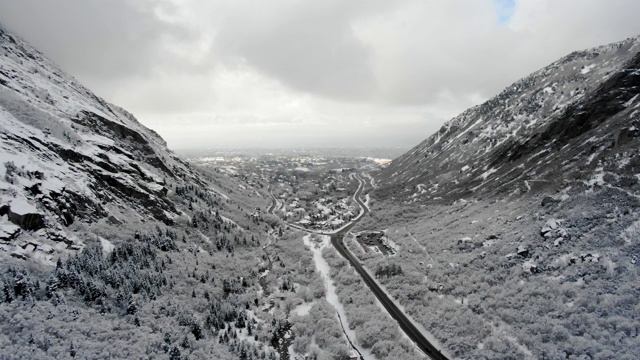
571,113
67,155
519,218
112,246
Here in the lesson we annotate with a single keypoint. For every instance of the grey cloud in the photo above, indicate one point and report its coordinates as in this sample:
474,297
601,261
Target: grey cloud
388,52
298,69
106,40
427,48
309,46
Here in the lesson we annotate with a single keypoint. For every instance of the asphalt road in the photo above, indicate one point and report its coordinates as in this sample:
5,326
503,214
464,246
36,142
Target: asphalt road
405,324
273,203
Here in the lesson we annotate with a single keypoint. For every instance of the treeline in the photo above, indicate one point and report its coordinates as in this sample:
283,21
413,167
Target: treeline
135,272
194,194
107,281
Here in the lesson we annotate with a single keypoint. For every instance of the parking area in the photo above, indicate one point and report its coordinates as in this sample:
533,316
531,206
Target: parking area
373,241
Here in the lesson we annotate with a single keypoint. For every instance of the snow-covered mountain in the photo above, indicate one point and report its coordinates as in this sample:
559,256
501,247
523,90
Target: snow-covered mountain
106,234
520,216
67,156
555,124
113,247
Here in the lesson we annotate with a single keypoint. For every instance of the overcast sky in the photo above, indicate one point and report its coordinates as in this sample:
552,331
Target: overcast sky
312,73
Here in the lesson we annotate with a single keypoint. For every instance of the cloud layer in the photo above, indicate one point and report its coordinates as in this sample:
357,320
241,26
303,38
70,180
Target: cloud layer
280,73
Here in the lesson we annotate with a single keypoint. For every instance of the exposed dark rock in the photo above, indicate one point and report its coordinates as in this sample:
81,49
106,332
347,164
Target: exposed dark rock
522,251
155,205
607,101
102,125
156,162
548,200
19,255
113,220
25,217
83,207
534,269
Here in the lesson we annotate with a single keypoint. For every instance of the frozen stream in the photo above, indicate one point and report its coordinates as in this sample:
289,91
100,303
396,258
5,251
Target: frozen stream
332,297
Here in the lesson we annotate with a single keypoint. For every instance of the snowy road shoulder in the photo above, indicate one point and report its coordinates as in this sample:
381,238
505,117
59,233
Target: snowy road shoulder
332,297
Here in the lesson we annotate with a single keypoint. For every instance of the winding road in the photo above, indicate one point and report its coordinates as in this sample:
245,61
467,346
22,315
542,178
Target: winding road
406,325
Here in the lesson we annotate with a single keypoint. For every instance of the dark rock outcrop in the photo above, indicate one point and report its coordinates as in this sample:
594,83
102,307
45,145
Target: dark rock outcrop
23,214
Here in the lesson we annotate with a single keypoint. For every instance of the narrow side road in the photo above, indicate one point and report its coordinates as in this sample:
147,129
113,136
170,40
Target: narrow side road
337,239
274,202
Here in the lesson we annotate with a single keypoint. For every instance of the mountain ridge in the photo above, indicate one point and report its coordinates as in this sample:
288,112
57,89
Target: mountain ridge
462,157
520,217
71,156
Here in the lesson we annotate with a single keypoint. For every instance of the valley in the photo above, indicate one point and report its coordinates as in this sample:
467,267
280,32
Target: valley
325,232
510,233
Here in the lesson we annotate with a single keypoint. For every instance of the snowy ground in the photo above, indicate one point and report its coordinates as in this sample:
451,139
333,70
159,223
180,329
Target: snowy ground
302,309
323,267
427,334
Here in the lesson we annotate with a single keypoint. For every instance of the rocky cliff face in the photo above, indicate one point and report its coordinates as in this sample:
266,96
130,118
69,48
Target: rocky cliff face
570,120
68,156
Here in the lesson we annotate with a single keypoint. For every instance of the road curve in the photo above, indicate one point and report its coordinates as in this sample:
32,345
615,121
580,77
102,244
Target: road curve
405,324
273,203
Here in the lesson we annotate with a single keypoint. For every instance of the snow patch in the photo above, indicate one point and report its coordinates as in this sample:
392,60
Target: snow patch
22,207
107,246
587,69
302,309
486,174
628,103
